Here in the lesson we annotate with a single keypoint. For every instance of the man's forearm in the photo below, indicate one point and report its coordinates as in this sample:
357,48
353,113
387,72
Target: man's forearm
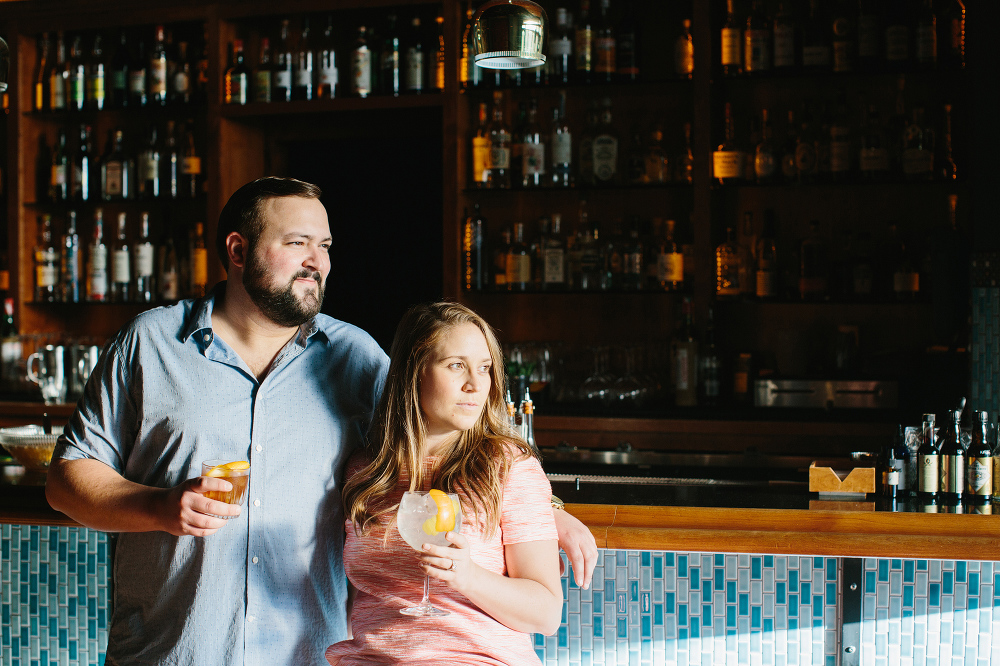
95,495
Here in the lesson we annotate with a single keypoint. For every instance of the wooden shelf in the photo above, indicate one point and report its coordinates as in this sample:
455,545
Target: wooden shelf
300,107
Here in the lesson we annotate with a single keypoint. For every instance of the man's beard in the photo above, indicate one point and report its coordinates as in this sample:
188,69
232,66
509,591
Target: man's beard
280,304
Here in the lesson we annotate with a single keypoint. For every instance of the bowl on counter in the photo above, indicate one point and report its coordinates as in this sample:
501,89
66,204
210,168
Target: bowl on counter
29,445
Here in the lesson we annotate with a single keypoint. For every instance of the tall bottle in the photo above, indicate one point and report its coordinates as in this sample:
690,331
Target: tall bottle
148,167
302,81
390,79
926,36
82,167
685,165
766,259
727,267
39,98
948,169
732,43
669,260
328,77
518,263
199,262
979,461
500,148
167,270
414,65
180,72
562,146
59,76
437,76
952,463
560,57
137,84
475,260
888,470
77,75
873,156
46,263
765,160
727,159
481,149
69,261
554,273
121,263
816,43
262,73
96,90
281,79
191,168
170,161
785,37
118,77
142,263
684,360
709,367
605,148
928,461
158,70
684,52
584,44
59,174
605,45
757,40
236,89
361,65
115,169
532,150
97,261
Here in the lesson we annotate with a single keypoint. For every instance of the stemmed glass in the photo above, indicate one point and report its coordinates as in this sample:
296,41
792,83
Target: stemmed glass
418,523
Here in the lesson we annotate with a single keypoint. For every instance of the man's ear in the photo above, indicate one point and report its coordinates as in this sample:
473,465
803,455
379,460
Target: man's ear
237,249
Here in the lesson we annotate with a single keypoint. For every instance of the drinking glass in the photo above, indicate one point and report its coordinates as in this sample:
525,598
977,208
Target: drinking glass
236,472
416,521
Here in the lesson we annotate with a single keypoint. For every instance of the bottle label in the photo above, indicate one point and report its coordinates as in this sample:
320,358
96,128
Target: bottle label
328,77
758,56
303,77
868,36
906,282
144,260
518,268
168,285
191,166
562,148
681,362
262,86
78,86
897,43
283,78
58,174
361,71
121,268
137,82
784,45
604,50
605,149
952,474
414,69
149,165
46,276
584,53
731,40
981,476
727,164
917,162
560,47
765,284
181,82
873,159
499,157
816,56
98,270
199,266
96,90
113,179
158,77
683,56
533,159
670,267
554,271
763,164
480,159
926,43
57,92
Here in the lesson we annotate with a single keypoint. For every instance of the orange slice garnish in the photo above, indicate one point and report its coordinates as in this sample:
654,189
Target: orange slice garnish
445,520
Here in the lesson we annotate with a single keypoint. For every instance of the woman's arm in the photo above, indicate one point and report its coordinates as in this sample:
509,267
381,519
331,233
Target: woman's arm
529,599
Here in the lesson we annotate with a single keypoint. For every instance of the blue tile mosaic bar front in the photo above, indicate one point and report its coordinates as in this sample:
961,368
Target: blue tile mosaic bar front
643,608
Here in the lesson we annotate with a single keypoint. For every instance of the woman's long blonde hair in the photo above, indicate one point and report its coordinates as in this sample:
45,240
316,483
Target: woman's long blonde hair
476,466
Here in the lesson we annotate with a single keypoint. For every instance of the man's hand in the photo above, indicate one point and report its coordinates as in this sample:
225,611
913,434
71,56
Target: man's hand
185,509
579,545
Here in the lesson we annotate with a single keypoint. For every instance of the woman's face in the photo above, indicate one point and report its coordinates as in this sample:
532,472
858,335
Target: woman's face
455,383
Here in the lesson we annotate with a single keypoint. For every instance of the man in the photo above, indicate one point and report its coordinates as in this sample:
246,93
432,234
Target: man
251,372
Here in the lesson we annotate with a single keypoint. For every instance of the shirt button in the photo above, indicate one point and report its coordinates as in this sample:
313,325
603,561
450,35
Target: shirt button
256,502
260,448
254,560
250,618
207,338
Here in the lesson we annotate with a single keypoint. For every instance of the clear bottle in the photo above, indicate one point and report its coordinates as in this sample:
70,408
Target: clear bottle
121,263
77,76
199,262
148,167
361,65
765,161
560,57
329,77
414,66
97,261
518,262
727,267
562,146
532,150
262,73
684,52
605,148
440,56
757,40
59,76
69,261
928,460
96,92
554,257
302,72
170,161
60,172
500,146
143,290
766,258
728,159
281,78
979,461
180,76
46,263
118,77
137,85
785,37
732,42
157,94
237,78
952,463
115,169
390,81
684,359
82,167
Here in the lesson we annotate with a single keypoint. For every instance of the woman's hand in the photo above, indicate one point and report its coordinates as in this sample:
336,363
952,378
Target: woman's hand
453,564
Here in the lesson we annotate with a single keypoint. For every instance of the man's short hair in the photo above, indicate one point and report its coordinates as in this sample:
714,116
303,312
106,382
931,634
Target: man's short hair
244,212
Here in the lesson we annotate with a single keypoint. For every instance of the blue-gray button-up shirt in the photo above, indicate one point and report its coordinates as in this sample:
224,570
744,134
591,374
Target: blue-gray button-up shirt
269,587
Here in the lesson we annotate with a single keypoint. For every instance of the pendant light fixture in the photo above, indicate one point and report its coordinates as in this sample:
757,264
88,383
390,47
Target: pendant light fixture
509,34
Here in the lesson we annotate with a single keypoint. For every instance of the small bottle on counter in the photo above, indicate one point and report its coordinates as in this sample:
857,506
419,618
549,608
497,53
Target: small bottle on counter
979,462
928,464
889,472
952,462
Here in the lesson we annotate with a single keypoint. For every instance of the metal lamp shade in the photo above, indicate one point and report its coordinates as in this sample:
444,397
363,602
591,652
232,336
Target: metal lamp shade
509,34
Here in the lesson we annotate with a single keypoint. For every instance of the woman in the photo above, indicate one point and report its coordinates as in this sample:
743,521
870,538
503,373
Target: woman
441,423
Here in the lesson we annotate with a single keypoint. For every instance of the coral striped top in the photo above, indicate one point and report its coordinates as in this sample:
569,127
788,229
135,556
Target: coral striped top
389,578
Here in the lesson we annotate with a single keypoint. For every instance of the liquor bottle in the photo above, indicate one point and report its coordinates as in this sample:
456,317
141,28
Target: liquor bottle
806,154
685,165
167,270
148,167
326,87
656,164
627,46
96,82
43,171
979,461
500,148
59,174
237,78
766,259
476,263
843,36
40,97
77,89
605,148
873,157
728,159
757,40
897,35
670,261
562,146
518,263
59,76
926,36
170,160
727,267
97,261
481,150
814,274
605,46
928,460
117,90
918,148
281,78
413,60
684,360
905,272
732,42
554,275
633,277
361,65
745,246
869,36
137,90
440,56
46,263
389,70
199,262
121,263
560,57
948,169
262,73
143,253
180,77
587,257
684,52
157,95
199,89
532,150
784,37
302,71
952,34
69,262
584,44
191,168
765,162
115,169
888,471
709,367
500,261
816,39
468,71
952,463
841,161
